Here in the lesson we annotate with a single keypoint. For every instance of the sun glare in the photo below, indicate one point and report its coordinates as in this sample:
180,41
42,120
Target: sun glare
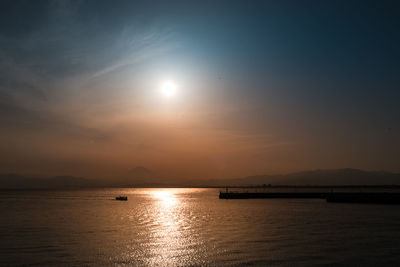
168,88
167,197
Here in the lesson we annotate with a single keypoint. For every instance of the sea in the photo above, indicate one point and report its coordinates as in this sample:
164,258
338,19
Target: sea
191,227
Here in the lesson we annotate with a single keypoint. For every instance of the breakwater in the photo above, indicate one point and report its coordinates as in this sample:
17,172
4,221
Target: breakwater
338,197
244,195
364,197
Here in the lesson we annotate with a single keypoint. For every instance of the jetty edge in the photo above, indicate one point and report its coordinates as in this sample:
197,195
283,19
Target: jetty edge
245,195
334,197
364,197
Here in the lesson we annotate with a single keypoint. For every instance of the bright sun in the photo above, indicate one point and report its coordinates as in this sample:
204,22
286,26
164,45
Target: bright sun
168,88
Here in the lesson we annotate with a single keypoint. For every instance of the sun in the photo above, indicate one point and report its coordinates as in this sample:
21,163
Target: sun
168,88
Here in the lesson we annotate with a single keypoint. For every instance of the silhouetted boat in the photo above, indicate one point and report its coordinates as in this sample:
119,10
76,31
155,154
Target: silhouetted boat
122,198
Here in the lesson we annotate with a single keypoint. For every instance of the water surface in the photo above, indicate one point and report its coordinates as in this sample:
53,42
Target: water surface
191,227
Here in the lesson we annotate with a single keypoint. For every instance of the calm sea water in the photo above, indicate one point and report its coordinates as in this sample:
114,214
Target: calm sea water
189,227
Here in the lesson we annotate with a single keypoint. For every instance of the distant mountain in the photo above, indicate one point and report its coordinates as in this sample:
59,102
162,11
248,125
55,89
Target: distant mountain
319,177
135,176
142,177
140,171
10,181
138,176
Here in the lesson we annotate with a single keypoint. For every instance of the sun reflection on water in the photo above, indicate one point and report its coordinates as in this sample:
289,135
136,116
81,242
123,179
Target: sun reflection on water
166,198
167,238
167,224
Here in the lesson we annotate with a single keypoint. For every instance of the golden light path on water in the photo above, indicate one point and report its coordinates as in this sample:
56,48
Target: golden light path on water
166,198
170,237
167,227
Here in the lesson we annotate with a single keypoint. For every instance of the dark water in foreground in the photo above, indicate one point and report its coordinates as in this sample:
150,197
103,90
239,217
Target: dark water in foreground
191,227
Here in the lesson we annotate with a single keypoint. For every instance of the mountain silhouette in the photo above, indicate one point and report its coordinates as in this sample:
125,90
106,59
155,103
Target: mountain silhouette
12,180
142,177
137,175
319,177
140,171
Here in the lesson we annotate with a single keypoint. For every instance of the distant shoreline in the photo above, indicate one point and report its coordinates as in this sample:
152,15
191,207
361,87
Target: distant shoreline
211,186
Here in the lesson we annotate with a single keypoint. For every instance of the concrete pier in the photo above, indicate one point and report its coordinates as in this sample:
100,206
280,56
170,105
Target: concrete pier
244,195
336,197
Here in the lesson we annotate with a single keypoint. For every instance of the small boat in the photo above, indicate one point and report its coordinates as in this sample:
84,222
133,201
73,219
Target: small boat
122,198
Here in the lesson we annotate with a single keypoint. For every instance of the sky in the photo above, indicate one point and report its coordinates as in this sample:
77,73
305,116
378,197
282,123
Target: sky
262,87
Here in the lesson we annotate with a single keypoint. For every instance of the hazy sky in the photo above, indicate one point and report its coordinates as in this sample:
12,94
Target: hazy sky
262,87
